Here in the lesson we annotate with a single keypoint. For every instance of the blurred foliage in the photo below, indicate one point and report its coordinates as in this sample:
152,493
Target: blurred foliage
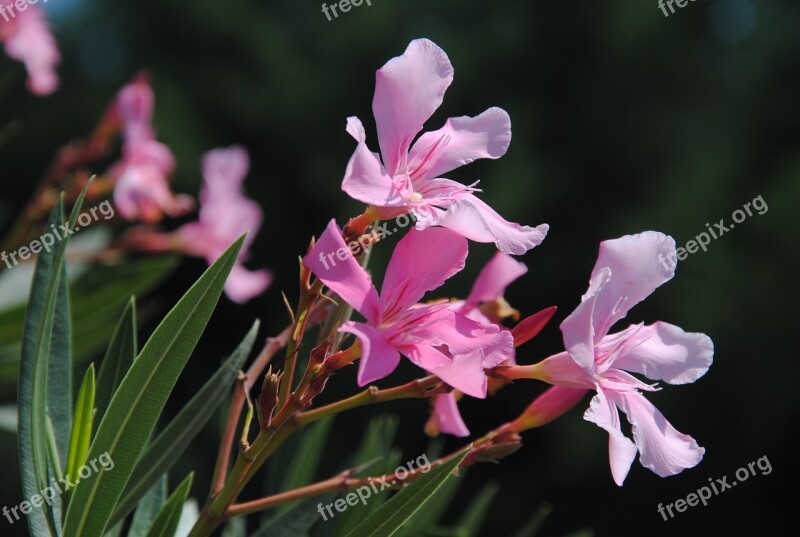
624,120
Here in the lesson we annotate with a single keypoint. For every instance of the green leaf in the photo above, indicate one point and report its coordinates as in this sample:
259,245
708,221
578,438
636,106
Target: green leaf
402,506
135,407
96,300
121,352
45,352
176,437
295,521
305,459
475,514
535,523
81,435
167,520
148,508
429,514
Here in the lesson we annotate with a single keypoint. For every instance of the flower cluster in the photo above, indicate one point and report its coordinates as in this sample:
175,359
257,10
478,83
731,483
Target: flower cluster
465,343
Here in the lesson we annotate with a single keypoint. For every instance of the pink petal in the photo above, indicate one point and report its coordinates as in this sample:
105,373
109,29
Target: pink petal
422,261
378,357
662,449
621,451
333,263
243,284
476,221
462,335
461,141
635,273
578,328
465,373
224,170
408,89
365,179
493,279
450,421
662,351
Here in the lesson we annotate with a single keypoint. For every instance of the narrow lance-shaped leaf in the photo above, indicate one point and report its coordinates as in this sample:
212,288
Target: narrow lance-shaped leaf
121,352
81,425
45,351
148,508
176,437
167,520
393,514
136,405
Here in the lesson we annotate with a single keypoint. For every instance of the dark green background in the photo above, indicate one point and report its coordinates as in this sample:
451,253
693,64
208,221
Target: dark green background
624,120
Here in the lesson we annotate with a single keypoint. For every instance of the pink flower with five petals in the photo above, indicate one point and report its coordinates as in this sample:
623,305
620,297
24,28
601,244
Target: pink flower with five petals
626,272
445,343
407,177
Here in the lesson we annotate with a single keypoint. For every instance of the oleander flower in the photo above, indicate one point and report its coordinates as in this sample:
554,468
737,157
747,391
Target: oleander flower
28,39
408,177
225,214
142,190
445,343
626,272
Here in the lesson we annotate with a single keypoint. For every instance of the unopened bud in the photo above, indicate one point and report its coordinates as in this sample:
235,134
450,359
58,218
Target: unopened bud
552,404
529,327
268,399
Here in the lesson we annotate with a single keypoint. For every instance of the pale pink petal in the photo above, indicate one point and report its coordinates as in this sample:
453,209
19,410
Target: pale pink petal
224,170
476,221
578,328
365,178
662,351
637,270
378,357
450,420
493,279
243,285
333,263
662,449
142,193
461,141
621,451
422,261
425,356
408,89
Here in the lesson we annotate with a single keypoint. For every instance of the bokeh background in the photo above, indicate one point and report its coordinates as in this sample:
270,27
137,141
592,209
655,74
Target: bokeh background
624,120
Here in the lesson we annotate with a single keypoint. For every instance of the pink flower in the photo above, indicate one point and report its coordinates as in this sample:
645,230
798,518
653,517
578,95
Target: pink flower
435,338
225,214
142,189
28,39
627,271
408,178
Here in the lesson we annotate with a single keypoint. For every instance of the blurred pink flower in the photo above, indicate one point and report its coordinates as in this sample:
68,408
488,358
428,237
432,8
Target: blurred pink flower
225,214
626,272
28,39
408,178
142,189
435,338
